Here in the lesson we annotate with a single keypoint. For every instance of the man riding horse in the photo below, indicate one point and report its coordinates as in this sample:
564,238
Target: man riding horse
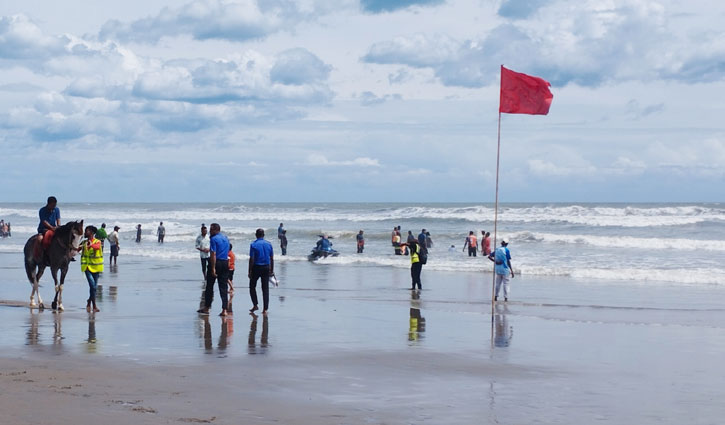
49,220
53,247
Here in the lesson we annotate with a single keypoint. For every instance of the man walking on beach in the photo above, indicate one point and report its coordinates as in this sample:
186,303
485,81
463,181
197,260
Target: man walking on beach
161,232
261,265
218,269
138,233
91,265
360,242
113,240
202,245
502,258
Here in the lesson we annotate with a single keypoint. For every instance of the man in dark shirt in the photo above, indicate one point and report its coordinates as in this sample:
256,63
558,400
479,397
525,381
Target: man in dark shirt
261,265
218,269
49,217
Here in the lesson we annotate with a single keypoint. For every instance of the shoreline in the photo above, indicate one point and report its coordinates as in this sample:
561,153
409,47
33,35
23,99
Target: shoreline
350,345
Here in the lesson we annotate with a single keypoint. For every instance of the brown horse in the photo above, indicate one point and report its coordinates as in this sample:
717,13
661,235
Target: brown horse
64,244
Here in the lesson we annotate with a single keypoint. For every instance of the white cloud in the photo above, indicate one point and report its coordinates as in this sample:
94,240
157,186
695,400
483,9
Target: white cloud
321,160
593,42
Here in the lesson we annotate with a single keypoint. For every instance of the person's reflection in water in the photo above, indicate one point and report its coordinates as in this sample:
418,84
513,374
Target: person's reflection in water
417,322
227,331
252,347
113,293
32,334
503,331
91,345
207,334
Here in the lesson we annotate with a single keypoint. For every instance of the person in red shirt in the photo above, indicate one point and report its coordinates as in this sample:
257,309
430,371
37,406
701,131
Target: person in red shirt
232,257
486,244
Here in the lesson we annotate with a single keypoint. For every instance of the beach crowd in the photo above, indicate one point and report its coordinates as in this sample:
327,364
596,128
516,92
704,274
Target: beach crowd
218,259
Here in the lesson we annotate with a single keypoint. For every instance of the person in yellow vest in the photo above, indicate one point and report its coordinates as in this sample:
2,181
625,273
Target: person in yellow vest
91,264
416,263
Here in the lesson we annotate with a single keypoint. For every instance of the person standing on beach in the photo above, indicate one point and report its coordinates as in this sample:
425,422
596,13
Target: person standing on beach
261,265
283,242
416,265
502,258
91,264
428,241
396,243
101,235
218,270
360,242
280,231
392,236
202,245
138,233
486,244
471,243
113,240
232,266
161,232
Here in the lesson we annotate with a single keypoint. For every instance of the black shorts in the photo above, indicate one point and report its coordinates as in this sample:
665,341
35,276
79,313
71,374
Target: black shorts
231,275
114,250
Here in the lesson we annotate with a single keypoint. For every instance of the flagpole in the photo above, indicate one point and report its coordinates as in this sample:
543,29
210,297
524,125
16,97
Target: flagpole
495,215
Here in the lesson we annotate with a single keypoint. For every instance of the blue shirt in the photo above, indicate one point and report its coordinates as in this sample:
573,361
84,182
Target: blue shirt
502,255
261,252
325,244
421,239
51,217
219,245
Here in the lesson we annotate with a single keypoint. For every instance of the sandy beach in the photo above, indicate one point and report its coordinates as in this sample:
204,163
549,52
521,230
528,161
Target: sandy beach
350,345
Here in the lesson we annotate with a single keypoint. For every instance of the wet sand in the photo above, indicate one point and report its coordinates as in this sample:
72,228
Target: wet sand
351,345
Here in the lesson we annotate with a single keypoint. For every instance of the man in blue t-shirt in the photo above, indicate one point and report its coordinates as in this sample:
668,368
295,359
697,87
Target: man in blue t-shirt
218,269
502,258
49,217
261,265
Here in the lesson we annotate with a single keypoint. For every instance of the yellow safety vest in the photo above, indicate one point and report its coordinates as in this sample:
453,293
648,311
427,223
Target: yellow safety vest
414,258
92,259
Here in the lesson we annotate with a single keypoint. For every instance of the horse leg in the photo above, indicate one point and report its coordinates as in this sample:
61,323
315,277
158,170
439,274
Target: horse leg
54,273
41,270
59,289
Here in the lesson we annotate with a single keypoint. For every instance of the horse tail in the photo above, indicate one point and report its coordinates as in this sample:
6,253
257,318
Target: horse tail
29,258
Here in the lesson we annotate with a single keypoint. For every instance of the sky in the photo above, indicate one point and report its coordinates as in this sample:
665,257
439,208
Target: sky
359,100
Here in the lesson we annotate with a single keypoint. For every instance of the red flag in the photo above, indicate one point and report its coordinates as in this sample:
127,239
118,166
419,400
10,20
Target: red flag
524,94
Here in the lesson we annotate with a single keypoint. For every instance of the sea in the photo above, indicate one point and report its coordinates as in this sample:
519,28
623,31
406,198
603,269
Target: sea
644,244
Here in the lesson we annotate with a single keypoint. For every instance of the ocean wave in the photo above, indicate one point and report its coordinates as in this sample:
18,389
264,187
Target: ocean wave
617,216
621,241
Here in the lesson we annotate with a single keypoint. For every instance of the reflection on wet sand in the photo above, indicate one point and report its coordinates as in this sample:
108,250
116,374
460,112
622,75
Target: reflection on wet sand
252,347
113,293
503,331
91,346
227,330
417,322
32,334
57,328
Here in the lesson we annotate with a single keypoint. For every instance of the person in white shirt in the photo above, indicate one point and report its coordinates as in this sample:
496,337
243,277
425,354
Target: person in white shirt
202,245
113,240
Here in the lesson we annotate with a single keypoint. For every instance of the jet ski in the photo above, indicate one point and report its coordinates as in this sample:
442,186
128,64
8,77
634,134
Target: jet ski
323,249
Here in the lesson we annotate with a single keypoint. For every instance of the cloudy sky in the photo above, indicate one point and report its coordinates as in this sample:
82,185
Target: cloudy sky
359,100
